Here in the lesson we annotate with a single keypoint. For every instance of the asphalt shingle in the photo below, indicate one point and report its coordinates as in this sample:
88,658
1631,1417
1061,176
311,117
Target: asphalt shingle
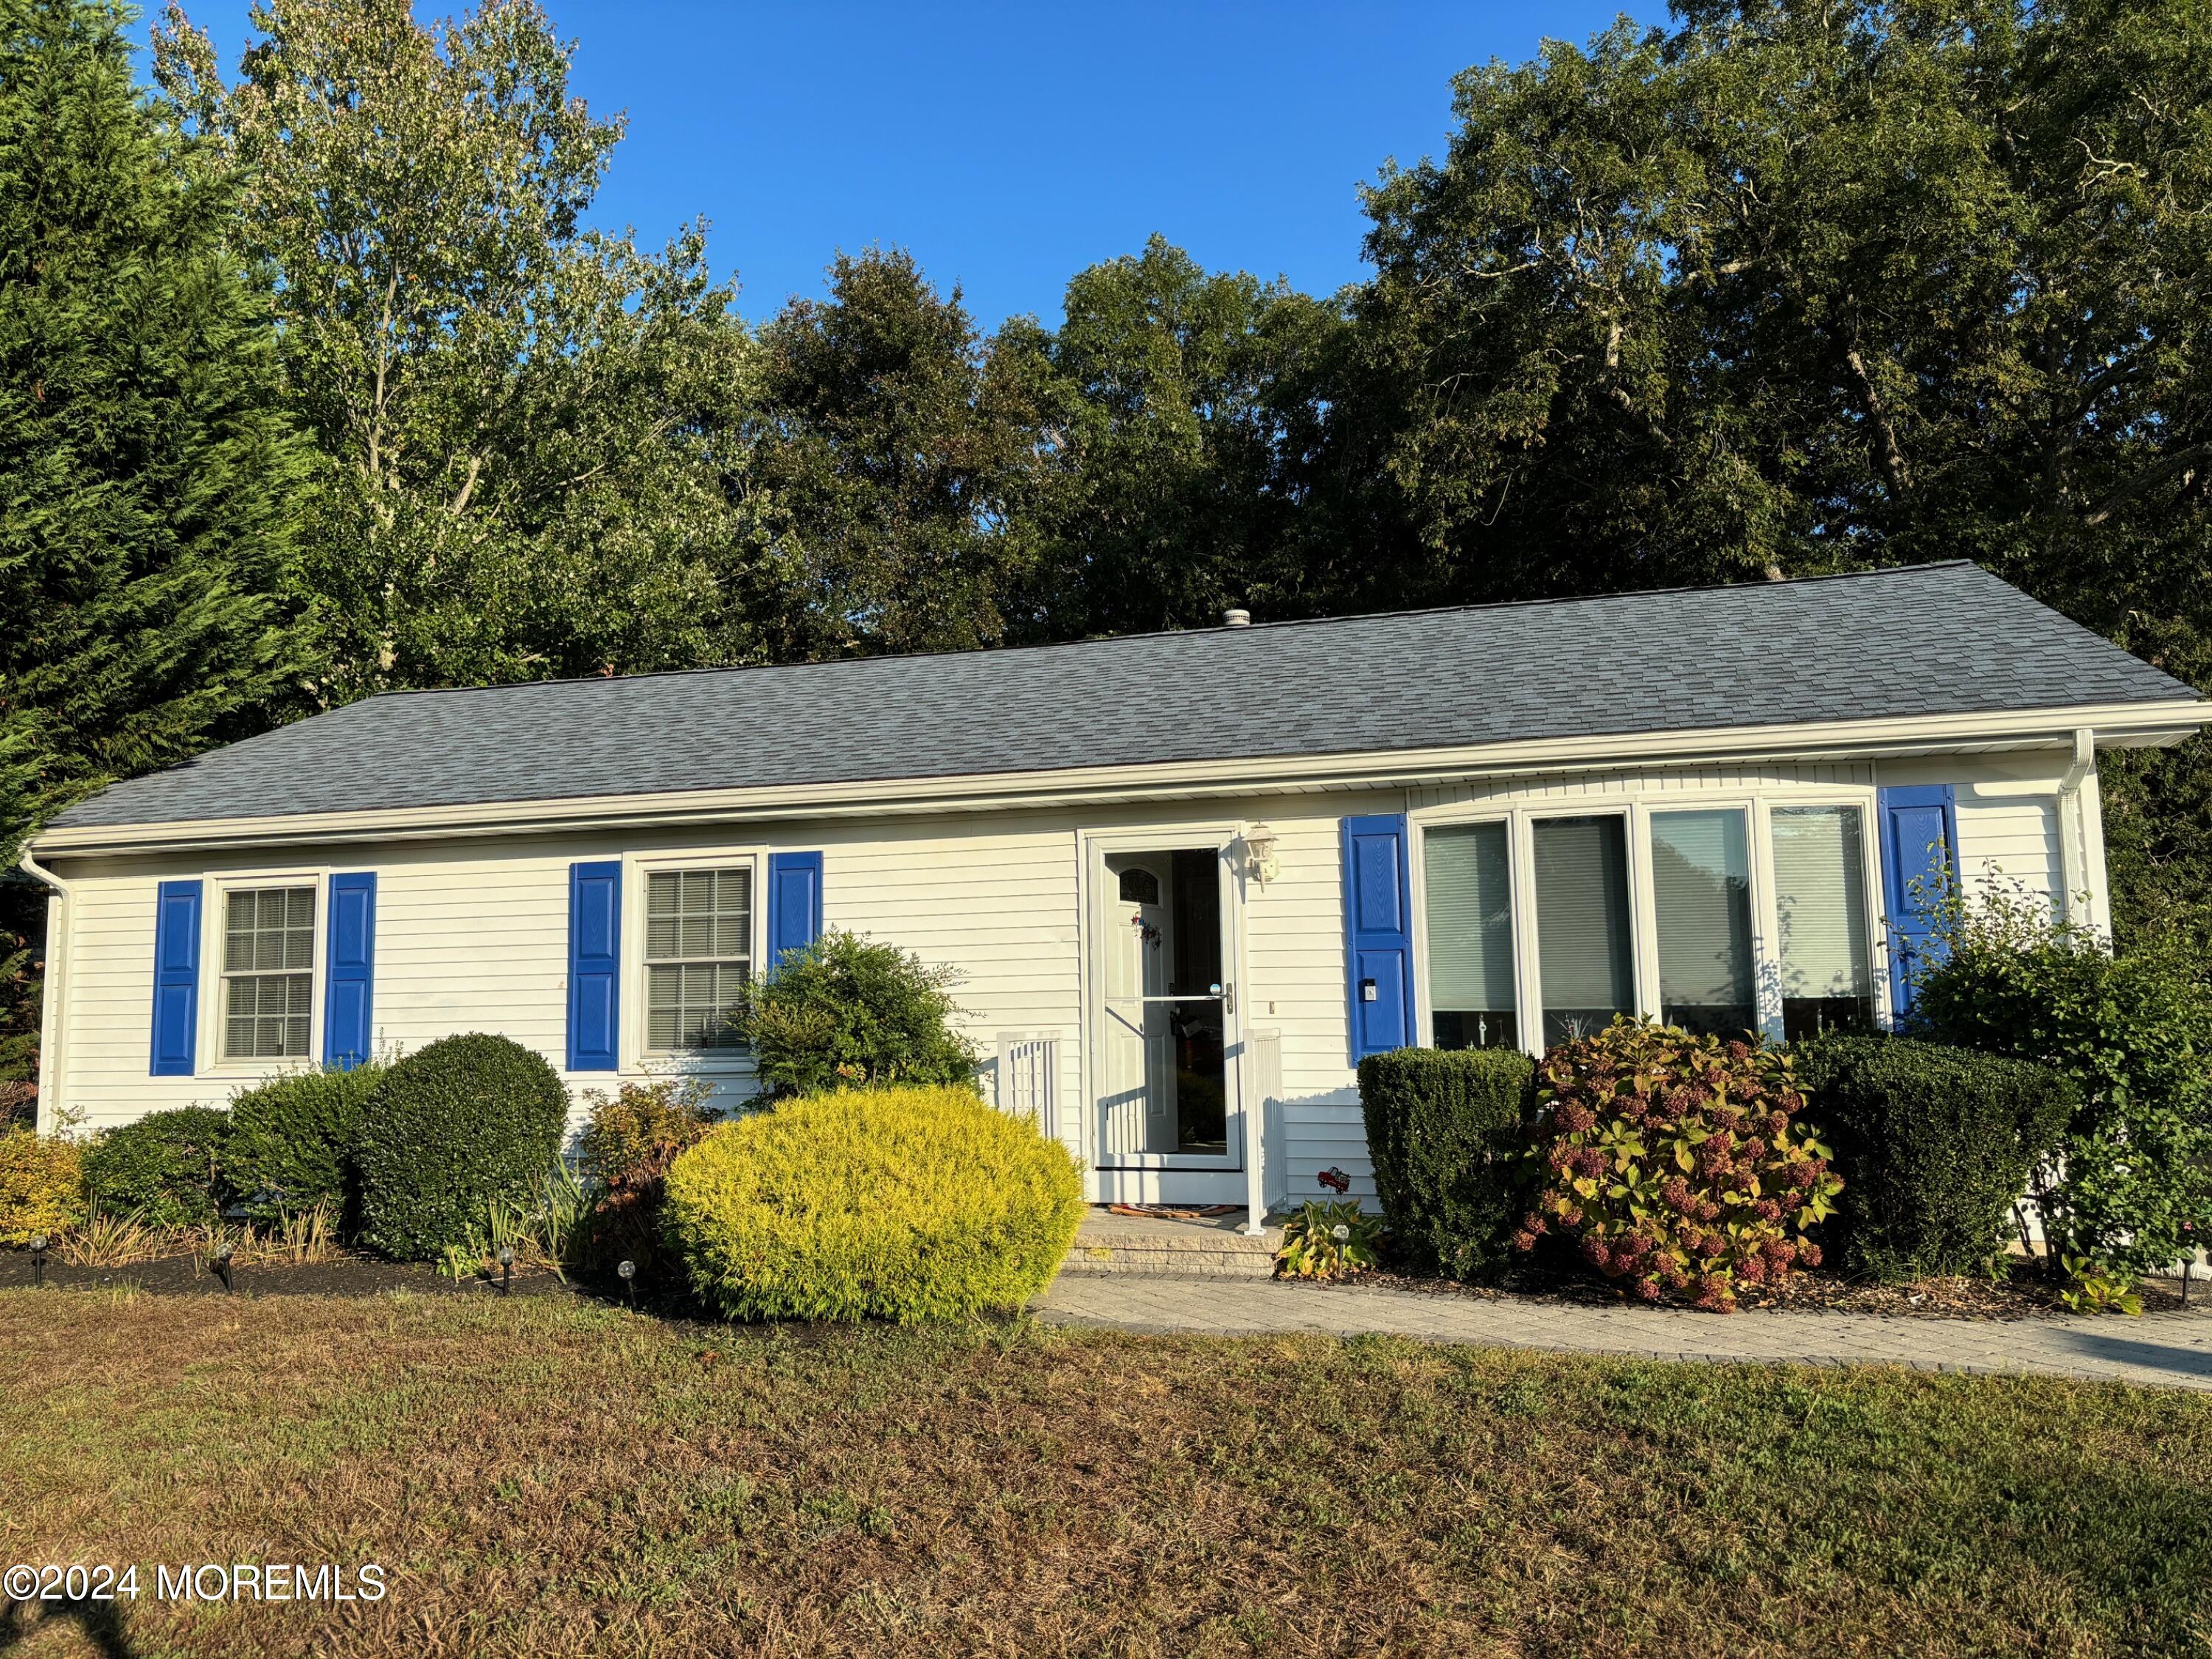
1927,640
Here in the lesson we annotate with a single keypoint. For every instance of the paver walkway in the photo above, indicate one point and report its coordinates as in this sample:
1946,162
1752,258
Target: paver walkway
2172,1349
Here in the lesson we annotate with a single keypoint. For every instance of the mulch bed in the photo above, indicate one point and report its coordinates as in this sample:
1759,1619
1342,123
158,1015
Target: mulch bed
347,1274
2025,1294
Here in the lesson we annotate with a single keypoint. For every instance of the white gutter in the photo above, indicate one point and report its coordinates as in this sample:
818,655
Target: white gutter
2073,841
50,1014
2160,723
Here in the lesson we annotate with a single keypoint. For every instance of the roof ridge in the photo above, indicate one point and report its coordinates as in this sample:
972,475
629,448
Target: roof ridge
1186,633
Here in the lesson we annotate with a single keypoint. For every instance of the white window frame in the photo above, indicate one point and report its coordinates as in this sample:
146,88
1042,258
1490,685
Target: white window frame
1636,803
214,1063
637,1054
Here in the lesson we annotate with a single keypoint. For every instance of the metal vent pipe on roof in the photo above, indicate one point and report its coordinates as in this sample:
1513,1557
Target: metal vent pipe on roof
1236,618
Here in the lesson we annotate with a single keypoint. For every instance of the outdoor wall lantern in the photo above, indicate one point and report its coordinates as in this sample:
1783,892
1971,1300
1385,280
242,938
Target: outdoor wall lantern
507,1270
38,1261
1258,844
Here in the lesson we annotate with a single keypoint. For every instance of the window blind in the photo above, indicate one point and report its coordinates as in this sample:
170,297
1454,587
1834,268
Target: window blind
1584,950
1465,879
1701,901
1819,893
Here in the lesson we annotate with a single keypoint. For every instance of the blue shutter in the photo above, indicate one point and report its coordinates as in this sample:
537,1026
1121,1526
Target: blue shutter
1919,829
594,966
1378,935
794,903
349,976
176,978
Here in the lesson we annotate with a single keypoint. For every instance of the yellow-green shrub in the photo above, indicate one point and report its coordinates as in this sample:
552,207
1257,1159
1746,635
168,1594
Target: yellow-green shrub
902,1204
41,1187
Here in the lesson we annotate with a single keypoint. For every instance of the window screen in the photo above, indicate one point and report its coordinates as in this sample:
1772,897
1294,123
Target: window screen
1584,955
1701,900
1820,905
1467,898
268,972
698,954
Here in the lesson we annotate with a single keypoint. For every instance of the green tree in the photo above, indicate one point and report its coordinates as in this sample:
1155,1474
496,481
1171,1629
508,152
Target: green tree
147,469
530,429
907,459
1794,288
1185,389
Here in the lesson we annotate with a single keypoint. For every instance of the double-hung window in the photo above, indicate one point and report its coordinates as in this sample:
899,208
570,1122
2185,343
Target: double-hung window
698,956
268,972
1467,889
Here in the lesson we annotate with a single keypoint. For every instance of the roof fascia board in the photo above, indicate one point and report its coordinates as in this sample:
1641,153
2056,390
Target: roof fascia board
2157,723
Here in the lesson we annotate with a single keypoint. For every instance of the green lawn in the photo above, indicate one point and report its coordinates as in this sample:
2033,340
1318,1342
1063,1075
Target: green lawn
548,1477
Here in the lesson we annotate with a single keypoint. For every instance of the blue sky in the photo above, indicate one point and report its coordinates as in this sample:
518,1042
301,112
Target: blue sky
1008,146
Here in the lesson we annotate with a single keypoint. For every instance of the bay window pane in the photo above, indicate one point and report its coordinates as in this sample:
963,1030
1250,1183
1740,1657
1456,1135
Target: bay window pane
1701,901
1467,898
1583,953
1820,905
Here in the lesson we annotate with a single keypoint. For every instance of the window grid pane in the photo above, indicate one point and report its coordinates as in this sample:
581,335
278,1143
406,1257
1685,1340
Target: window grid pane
698,951
268,962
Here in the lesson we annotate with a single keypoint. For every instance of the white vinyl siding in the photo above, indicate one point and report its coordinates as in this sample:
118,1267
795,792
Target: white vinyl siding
268,980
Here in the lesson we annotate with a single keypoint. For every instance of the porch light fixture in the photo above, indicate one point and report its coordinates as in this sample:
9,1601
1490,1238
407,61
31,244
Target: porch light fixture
1257,844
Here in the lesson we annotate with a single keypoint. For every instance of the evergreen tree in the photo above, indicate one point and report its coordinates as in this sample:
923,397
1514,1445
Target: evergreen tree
146,470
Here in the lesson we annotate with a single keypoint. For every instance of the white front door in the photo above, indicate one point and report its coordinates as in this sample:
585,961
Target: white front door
1166,1113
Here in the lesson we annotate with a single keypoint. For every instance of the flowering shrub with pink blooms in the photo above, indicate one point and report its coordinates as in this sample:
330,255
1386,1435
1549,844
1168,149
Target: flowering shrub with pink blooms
1675,1162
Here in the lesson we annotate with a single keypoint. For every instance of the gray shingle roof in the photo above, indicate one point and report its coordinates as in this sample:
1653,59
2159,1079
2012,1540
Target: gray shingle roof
1928,639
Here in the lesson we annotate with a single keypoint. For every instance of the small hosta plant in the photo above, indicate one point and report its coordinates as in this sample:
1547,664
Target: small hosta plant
1328,1239
1676,1163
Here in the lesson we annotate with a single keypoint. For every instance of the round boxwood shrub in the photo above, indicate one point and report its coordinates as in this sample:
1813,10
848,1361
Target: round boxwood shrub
1447,1132
294,1141
1934,1146
904,1204
167,1168
449,1130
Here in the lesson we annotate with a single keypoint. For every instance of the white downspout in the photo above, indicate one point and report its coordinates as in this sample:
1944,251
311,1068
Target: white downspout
50,1016
2079,905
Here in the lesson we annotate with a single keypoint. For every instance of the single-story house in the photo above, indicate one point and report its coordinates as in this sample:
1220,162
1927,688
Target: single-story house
1187,880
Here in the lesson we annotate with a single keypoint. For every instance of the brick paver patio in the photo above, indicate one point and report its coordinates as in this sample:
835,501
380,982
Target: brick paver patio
2173,1350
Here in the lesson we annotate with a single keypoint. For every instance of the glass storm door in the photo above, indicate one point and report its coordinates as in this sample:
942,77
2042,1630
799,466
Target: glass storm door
1164,1017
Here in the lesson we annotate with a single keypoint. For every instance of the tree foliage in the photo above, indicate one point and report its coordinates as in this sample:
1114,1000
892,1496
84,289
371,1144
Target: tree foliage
526,425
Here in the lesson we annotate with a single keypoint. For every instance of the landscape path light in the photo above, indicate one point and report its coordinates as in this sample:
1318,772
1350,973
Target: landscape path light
626,1270
507,1270
219,1259
38,1261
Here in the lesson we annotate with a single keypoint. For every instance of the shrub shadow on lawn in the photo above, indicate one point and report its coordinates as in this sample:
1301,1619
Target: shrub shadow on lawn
101,1621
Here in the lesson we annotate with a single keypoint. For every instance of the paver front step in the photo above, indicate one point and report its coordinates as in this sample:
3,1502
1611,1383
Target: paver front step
1210,1247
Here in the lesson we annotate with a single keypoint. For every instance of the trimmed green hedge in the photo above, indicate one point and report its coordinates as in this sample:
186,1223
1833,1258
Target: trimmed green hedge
167,1168
449,1129
1444,1130
294,1141
1935,1144
905,1204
